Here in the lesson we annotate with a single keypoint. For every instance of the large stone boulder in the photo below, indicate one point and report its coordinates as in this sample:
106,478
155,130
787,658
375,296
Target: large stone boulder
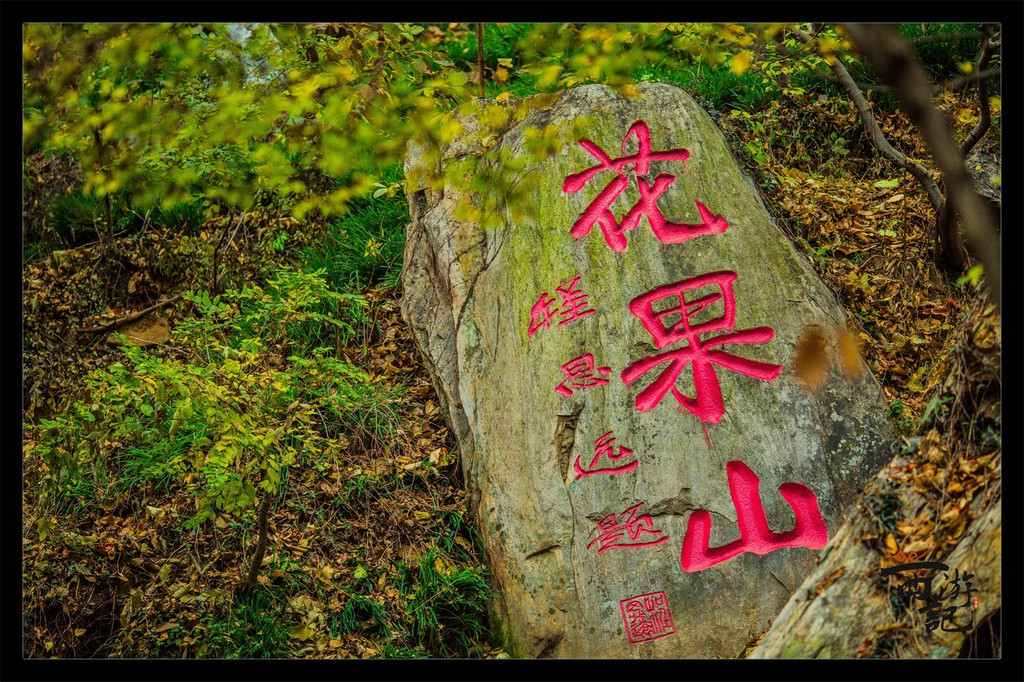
651,478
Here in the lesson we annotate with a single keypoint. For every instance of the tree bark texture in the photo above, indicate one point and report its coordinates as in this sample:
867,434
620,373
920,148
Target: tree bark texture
261,544
844,609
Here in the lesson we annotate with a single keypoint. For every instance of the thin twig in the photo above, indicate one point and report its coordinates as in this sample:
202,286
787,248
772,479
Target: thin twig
953,84
215,279
89,245
986,112
241,222
480,56
948,85
130,318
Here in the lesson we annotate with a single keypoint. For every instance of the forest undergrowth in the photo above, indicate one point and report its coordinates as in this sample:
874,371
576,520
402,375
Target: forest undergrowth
133,548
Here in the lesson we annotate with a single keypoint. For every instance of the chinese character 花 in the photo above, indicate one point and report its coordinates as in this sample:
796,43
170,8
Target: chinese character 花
599,211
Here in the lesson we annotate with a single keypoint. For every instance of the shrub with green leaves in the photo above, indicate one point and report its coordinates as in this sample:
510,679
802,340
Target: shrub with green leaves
227,421
172,112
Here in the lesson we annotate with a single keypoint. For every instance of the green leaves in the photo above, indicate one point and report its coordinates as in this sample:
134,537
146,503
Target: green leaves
225,420
973,276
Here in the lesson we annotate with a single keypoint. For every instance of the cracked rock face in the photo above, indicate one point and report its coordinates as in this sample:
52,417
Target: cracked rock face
554,497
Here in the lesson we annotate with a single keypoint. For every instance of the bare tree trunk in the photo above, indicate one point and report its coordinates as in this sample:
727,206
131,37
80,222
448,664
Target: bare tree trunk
893,60
261,545
785,80
759,46
109,219
480,56
108,233
948,247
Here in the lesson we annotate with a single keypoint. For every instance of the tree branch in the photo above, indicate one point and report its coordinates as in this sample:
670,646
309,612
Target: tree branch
893,60
957,83
949,85
986,113
875,134
129,318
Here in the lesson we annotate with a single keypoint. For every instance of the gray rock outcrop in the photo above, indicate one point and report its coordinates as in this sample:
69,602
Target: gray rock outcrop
590,467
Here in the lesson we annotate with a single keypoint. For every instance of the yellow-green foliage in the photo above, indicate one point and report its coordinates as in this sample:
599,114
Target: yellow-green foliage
169,112
224,422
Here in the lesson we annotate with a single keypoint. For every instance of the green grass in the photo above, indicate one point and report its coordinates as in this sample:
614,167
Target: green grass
361,614
186,216
448,607
76,217
80,495
350,402
365,246
452,524
252,627
157,463
500,42
717,86
942,47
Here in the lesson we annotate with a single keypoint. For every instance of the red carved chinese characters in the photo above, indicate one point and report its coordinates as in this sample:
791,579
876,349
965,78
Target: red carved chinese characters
707,404
599,210
604,446
755,535
541,314
647,617
574,302
634,527
579,374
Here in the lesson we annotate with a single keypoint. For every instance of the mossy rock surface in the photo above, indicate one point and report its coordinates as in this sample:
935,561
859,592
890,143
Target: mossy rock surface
472,279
